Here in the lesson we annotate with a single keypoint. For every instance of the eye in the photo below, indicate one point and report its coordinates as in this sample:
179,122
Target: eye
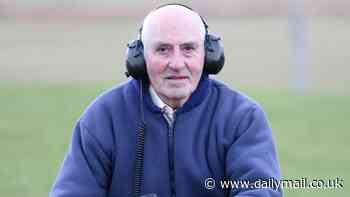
189,48
162,49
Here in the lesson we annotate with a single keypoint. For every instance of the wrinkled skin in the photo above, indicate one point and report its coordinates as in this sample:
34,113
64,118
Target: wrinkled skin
173,38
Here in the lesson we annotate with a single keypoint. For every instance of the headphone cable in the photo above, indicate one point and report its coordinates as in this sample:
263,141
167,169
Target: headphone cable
140,146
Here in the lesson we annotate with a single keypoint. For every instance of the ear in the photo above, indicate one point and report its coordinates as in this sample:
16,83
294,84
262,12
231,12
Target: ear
214,54
135,61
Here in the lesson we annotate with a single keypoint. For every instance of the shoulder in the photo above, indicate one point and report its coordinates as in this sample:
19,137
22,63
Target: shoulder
239,110
231,97
236,108
103,107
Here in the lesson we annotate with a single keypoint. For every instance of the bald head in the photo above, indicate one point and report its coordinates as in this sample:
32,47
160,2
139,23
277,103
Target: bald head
173,39
171,18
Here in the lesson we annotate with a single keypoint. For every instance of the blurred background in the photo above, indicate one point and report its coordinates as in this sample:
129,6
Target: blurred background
292,56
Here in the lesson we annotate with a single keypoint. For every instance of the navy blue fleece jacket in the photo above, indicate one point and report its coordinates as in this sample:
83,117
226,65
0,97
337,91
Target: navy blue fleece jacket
219,133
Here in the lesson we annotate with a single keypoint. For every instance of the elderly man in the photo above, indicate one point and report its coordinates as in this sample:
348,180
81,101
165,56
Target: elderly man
195,131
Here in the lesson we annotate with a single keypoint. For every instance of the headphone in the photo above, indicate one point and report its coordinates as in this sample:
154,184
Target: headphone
213,61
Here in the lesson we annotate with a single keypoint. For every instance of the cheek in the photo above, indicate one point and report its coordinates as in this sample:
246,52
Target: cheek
197,63
154,67
196,67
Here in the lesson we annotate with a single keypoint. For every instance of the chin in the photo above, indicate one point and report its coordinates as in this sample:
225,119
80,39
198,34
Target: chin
178,94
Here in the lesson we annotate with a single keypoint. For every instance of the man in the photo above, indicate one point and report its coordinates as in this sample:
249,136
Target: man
197,129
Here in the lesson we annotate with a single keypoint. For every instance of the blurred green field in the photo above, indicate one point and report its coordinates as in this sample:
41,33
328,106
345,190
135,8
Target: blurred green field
36,120
51,70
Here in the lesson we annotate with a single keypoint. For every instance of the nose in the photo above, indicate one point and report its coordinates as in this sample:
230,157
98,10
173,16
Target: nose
177,60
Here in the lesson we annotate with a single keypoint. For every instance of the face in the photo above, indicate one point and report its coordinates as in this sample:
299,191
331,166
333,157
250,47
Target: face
174,54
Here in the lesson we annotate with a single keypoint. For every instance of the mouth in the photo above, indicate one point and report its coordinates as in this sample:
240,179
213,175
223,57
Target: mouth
176,77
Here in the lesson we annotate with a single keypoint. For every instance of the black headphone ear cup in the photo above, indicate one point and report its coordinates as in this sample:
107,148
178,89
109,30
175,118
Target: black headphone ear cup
135,61
214,54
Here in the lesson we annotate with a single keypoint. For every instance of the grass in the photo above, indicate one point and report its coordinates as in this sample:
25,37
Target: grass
36,120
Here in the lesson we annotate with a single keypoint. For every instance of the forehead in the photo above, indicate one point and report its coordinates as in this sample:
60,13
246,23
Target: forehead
174,35
173,24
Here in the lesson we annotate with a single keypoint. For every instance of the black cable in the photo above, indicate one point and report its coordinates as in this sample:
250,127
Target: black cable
141,103
140,145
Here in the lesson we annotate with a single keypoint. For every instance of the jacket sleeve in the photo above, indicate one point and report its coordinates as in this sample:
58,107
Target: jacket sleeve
86,168
252,156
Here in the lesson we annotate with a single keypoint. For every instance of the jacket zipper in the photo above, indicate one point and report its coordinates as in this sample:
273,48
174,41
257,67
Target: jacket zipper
171,153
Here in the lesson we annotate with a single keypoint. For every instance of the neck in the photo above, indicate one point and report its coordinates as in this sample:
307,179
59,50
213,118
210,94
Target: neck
174,103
